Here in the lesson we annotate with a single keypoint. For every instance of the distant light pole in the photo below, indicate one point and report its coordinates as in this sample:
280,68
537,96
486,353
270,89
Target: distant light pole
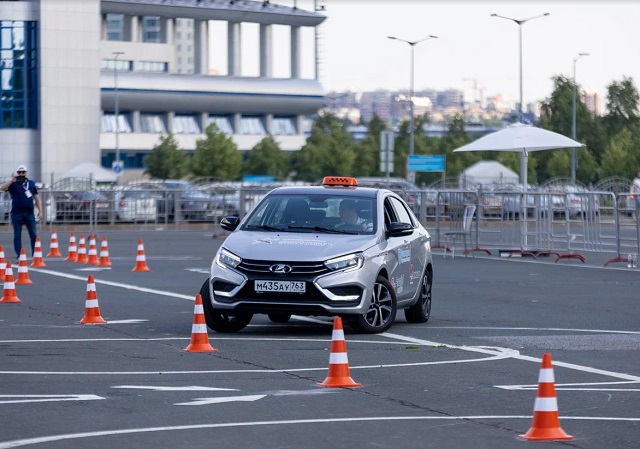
117,105
520,22
411,132
574,151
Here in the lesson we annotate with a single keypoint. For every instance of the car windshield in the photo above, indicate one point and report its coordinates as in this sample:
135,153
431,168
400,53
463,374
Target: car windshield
322,213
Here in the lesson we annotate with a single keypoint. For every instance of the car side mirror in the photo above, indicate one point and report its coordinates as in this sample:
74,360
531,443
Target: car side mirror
397,229
229,223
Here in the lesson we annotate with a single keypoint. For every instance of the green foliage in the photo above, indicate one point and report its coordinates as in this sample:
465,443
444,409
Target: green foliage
266,158
166,160
367,151
216,156
622,158
622,106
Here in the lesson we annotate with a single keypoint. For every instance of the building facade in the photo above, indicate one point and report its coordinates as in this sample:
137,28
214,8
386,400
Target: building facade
103,80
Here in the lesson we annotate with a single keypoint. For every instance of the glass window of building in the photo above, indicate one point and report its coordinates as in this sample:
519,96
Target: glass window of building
115,27
151,29
109,123
185,124
222,122
283,126
153,66
152,123
252,126
18,75
116,64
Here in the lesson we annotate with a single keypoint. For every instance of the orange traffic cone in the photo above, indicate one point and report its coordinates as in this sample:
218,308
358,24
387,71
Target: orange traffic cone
82,251
91,309
199,337
54,251
23,269
546,424
93,251
9,292
141,261
338,376
37,255
72,255
104,253
3,263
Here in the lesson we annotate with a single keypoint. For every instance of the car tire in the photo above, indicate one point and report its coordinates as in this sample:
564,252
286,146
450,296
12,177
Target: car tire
382,310
421,310
279,317
220,320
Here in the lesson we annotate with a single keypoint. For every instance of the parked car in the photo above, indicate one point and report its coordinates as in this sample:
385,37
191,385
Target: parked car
407,190
84,205
574,200
137,205
295,254
194,204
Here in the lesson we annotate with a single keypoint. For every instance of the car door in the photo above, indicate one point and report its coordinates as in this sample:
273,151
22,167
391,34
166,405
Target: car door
400,249
414,258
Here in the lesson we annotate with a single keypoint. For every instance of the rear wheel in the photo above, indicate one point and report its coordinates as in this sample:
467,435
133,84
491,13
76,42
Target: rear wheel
421,310
382,309
221,320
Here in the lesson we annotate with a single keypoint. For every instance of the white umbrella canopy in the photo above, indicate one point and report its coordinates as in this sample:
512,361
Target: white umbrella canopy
520,138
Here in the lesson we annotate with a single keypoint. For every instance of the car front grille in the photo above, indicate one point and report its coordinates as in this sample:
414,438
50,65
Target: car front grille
299,270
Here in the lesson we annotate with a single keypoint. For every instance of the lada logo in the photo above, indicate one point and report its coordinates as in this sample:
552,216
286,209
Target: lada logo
280,268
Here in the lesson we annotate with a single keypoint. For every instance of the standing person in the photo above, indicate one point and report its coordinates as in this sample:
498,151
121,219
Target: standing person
635,193
24,194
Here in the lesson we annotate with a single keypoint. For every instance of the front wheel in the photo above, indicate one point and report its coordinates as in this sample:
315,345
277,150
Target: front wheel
221,320
421,310
382,309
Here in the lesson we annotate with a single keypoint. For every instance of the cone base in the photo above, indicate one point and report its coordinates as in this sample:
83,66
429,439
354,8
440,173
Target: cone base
54,255
141,269
38,265
92,320
23,282
339,382
539,434
105,264
200,347
14,299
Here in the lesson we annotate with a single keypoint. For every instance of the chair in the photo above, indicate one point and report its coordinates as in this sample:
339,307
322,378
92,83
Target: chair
297,212
463,232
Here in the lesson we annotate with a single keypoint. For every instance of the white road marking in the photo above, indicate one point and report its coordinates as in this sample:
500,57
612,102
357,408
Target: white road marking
76,436
118,284
134,321
197,270
191,388
24,398
93,269
208,401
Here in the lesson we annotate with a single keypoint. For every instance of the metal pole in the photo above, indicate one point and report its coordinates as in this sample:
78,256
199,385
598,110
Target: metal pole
574,151
410,175
117,104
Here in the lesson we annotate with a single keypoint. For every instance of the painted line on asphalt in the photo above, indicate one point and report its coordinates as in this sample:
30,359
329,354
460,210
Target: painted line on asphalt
117,284
81,435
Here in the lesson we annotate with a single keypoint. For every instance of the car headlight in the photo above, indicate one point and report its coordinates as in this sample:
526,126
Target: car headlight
227,259
346,263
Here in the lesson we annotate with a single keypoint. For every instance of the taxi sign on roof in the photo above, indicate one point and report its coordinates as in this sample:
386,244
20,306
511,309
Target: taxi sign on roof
339,181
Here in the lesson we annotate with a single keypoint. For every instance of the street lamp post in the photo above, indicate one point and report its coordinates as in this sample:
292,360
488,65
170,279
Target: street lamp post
574,151
117,104
410,176
520,22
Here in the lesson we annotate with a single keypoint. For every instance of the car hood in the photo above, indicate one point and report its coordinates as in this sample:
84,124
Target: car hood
293,246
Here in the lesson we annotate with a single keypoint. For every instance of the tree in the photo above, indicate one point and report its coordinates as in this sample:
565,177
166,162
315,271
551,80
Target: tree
166,160
216,156
622,106
266,158
368,150
622,158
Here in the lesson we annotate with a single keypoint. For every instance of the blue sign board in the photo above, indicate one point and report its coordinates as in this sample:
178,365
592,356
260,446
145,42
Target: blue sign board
426,163
258,179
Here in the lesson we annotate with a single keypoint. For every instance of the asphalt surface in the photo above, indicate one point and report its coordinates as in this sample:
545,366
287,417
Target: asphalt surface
467,378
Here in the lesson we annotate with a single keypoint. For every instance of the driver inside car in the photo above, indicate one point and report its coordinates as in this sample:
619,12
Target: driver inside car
349,218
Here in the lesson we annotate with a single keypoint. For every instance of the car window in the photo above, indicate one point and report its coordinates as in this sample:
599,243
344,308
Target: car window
401,212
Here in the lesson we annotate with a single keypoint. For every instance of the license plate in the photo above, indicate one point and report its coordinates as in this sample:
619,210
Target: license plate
280,286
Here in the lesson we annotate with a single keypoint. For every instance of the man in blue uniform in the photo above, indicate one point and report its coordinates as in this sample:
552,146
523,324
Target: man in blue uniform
24,195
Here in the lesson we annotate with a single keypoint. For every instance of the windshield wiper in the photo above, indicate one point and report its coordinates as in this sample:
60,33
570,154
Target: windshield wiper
264,228
322,229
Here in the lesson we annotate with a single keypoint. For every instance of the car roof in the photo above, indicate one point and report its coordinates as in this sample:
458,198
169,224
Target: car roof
337,191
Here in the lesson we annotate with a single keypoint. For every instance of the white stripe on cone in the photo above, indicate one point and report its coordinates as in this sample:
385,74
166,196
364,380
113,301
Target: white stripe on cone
545,405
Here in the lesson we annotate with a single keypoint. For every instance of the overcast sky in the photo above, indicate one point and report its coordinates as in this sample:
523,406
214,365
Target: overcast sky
357,55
